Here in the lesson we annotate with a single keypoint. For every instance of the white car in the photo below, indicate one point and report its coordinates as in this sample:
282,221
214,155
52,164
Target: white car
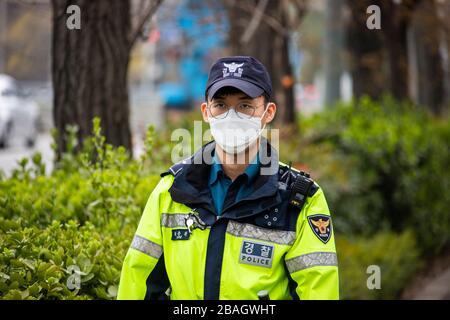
19,115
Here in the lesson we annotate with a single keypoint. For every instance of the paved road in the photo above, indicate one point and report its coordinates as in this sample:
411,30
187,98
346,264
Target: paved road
436,289
11,155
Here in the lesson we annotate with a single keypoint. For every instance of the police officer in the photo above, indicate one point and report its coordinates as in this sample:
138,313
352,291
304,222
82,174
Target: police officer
232,222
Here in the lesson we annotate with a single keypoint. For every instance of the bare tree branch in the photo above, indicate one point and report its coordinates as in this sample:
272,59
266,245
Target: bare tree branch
269,20
144,18
32,2
138,10
141,7
254,22
301,7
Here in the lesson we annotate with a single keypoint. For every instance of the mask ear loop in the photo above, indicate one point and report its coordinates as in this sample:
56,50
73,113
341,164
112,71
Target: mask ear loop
263,127
267,108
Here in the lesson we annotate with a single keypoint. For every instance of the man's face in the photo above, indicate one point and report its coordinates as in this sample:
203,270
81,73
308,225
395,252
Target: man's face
254,107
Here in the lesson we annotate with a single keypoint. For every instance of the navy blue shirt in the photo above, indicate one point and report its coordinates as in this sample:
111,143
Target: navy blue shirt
219,182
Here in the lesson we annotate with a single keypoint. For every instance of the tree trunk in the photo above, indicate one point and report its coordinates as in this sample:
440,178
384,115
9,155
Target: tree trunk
333,46
427,38
365,48
283,84
90,68
395,20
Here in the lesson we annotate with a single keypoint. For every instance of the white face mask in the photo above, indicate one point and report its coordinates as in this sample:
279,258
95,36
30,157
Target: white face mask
235,134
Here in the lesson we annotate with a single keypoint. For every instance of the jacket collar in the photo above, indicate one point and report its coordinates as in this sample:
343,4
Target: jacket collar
191,188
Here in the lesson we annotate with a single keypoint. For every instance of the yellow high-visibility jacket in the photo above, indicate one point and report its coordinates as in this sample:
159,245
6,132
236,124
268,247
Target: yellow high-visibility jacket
262,242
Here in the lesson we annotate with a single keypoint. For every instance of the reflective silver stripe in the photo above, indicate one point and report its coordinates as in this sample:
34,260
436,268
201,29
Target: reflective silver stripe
250,231
146,246
311,260
175,220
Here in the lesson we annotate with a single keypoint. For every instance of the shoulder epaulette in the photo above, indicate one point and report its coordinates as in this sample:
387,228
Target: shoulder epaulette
176,168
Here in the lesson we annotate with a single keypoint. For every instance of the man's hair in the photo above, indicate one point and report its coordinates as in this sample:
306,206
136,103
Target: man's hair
227,91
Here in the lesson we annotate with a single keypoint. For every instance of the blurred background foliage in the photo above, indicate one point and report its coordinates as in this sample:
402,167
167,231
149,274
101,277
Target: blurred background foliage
380,172
365,111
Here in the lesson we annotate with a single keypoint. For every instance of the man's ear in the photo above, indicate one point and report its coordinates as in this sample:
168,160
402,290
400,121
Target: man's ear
204,111
270,113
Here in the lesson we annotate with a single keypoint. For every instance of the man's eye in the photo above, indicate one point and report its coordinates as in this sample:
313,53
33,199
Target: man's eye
219,106
246,106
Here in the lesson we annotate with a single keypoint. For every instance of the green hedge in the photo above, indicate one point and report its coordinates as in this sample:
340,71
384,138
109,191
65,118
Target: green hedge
77,222
396,255
383,166
36,262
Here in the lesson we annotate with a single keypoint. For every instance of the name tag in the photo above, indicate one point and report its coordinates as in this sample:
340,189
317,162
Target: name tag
180,234
256,254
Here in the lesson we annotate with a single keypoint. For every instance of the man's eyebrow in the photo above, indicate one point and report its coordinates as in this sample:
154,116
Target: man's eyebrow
242,97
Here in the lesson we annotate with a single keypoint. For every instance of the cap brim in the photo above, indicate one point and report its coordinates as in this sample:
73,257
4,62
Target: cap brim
248,88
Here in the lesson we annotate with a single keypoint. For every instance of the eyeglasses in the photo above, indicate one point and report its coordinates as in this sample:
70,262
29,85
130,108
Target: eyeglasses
220,110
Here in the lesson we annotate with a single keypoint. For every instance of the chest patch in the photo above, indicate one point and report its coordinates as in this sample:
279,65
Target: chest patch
321,226
180,234
256,254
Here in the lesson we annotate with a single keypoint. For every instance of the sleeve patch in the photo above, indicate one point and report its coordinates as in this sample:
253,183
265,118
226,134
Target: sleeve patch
321,226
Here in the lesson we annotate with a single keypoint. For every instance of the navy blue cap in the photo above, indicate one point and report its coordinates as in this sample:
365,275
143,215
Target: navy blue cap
244,73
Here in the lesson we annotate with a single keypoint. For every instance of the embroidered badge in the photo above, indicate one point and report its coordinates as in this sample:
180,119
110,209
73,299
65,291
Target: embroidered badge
232,69
321,226
180,234
256,254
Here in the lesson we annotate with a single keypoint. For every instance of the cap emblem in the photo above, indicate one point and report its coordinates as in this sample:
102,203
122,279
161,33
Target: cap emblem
230,69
